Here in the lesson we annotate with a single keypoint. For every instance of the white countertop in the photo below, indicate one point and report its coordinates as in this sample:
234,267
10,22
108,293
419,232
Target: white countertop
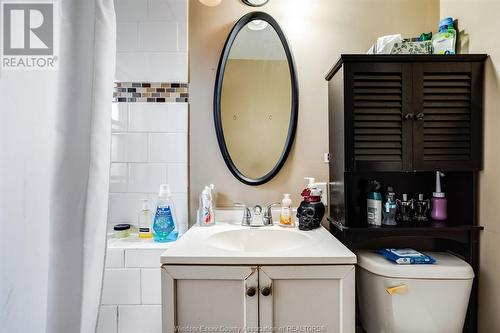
322,248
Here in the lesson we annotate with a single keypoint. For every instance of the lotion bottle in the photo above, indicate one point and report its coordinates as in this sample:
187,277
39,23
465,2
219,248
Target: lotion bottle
145,219
286,211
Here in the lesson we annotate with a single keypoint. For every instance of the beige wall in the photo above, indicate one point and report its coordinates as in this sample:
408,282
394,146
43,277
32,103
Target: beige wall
480,19
318,32
255,110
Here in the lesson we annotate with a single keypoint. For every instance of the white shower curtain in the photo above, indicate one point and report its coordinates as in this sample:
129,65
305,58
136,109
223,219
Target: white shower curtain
54,174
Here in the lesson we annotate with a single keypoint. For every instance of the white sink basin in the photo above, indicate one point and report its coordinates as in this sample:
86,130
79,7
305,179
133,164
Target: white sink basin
229,243
258,240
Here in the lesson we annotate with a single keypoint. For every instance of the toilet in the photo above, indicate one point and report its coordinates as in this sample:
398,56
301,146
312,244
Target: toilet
413,298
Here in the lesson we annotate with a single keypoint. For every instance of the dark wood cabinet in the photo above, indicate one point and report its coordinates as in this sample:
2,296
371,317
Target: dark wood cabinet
398,119
447,104
410,113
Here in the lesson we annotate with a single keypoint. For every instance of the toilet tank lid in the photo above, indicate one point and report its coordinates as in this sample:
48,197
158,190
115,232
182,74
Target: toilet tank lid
447,267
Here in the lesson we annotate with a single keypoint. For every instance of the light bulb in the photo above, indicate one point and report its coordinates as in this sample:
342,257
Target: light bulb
256,25
211,3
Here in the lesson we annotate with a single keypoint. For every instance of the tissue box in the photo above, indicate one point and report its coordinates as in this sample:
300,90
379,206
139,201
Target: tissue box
407,47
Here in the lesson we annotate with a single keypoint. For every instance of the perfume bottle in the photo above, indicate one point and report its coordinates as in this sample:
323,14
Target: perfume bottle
405,209
390,207
422,209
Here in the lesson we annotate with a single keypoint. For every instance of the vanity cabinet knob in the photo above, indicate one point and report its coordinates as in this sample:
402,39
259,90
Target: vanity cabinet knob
266,291
251,291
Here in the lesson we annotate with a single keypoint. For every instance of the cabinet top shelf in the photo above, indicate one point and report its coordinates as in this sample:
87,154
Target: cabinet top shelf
424,227
346,58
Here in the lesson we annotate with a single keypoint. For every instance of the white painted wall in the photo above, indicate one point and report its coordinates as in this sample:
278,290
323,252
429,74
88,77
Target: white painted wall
479,20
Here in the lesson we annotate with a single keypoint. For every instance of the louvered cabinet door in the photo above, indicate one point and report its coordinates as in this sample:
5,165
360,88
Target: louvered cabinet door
377,103
447,123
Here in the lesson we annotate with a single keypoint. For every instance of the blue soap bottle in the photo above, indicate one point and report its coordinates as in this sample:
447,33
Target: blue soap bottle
164,225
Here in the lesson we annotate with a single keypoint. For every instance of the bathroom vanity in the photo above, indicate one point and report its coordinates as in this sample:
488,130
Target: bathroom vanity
232,276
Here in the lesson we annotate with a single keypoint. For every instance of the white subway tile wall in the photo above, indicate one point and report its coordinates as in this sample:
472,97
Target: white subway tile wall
143,258
121,286
129,147
115,258
151,286
149,147
151,40
131,299
139,318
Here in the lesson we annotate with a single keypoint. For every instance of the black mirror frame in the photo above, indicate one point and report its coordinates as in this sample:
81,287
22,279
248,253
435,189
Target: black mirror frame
292,127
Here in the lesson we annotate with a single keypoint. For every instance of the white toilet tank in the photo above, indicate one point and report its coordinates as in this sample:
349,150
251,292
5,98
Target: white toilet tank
413,298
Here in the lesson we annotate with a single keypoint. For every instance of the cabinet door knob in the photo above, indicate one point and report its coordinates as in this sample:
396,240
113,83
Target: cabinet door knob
266,291
251,291
408,116
420,116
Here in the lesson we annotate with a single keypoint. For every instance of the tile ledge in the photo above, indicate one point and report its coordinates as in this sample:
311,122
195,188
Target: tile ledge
135,243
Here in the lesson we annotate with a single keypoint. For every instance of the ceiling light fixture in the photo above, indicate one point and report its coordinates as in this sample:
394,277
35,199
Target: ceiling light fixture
257,25
211,3
255,3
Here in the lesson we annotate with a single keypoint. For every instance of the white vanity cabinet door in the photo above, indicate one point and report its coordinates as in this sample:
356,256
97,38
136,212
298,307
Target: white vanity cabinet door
319,297
210,297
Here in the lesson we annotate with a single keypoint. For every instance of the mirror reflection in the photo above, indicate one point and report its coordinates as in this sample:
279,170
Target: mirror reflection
256,100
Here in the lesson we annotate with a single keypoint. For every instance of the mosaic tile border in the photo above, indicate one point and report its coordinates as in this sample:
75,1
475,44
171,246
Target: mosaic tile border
150,92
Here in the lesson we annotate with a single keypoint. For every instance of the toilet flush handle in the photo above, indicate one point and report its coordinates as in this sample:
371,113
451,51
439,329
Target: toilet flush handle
400,290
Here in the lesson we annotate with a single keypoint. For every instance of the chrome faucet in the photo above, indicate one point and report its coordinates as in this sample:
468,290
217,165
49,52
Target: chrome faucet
255,217
268,214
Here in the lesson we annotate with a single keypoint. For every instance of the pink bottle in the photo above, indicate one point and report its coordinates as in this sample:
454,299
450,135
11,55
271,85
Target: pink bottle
439,201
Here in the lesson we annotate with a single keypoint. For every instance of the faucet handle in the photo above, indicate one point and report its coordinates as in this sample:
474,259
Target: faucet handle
268,214
247,214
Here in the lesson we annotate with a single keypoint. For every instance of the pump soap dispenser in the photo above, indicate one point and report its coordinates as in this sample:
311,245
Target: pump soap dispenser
311,209
439,201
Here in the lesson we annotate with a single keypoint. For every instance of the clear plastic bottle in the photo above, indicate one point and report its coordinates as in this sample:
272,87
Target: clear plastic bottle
390,208
213,200
164,225
286,211
145,219
205,210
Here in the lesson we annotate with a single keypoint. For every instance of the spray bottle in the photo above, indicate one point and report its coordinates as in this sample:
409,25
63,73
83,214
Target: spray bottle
439,201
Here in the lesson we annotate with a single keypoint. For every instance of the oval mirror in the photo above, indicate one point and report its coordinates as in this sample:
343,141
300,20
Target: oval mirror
256,99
